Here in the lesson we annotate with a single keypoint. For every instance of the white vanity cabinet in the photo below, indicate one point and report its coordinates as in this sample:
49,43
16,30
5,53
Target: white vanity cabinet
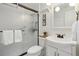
63,53
50,51
54,49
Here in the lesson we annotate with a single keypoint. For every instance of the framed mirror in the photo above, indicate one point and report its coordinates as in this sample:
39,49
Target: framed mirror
64,16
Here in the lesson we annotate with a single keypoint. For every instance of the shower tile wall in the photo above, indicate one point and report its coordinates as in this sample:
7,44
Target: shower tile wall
11,18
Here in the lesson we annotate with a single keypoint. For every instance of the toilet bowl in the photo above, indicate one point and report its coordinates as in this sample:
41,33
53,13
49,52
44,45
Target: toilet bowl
36,50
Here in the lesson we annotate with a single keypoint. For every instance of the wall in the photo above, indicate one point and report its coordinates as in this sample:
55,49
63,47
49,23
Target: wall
59,16
65,17
49,19
11,19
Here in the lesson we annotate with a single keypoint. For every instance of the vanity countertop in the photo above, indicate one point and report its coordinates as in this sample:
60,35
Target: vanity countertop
64,41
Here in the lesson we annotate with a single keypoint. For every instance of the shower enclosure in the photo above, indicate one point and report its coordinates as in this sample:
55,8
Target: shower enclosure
13,17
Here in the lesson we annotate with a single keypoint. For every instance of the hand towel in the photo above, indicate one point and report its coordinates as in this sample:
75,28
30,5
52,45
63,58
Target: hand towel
18,36
7,37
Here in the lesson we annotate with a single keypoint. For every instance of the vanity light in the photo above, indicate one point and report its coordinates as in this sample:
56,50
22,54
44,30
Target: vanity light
57,9
48,4
72,4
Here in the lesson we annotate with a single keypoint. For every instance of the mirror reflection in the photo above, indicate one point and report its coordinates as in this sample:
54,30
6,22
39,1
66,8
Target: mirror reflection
64,15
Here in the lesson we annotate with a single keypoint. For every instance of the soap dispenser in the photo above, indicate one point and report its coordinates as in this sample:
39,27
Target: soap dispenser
45,34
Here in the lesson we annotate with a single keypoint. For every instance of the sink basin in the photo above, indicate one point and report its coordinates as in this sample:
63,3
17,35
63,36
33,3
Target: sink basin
63,41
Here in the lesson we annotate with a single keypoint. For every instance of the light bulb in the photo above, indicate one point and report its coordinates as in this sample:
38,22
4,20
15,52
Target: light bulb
57,9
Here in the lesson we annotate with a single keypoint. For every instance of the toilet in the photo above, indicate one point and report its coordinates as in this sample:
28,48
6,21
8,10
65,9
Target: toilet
36,50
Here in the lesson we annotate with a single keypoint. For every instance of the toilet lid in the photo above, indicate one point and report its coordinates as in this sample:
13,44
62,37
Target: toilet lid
34,49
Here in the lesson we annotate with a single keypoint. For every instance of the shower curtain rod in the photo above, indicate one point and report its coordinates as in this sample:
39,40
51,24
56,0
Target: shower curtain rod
25,7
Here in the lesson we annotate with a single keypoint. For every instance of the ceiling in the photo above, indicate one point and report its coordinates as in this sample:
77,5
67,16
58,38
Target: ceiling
42,6
37,6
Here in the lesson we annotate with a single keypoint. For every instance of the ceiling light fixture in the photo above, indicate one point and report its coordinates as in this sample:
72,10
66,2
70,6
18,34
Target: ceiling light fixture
57,9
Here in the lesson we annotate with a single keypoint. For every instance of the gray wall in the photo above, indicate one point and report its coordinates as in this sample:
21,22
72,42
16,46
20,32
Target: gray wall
11,19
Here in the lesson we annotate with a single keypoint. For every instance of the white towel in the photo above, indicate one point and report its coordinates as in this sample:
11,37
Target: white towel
7,37
78,31
75,30
18,36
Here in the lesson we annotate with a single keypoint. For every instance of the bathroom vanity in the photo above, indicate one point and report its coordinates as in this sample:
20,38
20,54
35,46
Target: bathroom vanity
60,46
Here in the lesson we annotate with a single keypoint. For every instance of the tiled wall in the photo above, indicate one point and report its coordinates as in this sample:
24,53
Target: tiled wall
11,18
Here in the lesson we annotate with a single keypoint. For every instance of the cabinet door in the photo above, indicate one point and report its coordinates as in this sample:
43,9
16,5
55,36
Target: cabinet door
50,51
63,53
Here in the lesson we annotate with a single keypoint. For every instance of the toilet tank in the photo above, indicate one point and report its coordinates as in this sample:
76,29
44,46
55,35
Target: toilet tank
42,41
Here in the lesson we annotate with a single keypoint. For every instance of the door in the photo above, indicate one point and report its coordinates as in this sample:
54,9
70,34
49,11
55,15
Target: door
50,51
63,53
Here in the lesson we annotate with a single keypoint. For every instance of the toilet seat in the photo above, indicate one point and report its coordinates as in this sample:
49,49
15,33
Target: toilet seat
34,49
